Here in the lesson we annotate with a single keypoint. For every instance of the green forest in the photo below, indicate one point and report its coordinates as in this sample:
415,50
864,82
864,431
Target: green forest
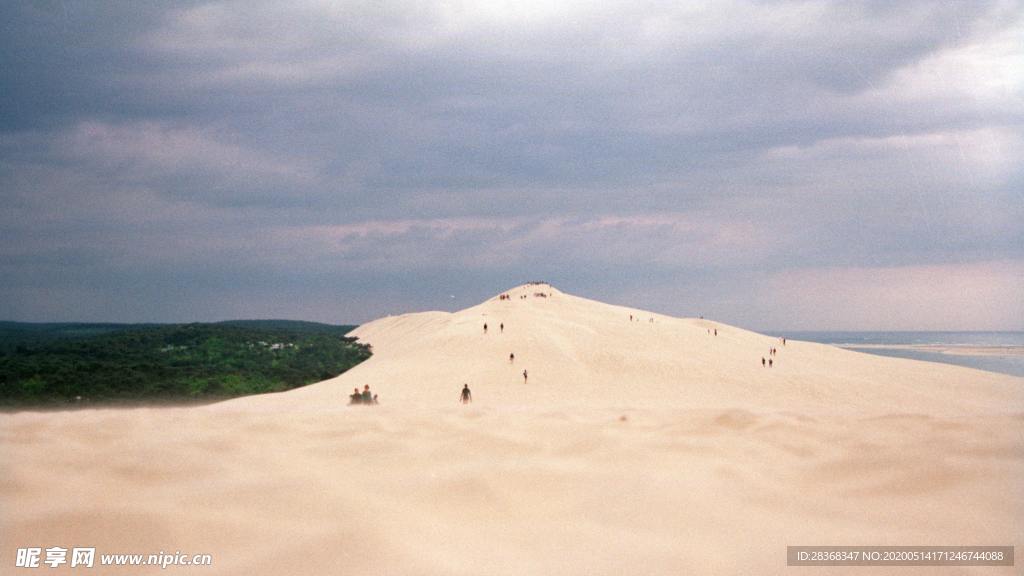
83,364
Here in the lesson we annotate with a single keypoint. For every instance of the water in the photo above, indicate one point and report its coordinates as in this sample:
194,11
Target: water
1004,361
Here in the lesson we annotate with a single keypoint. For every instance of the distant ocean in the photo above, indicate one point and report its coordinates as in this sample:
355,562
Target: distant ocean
994,351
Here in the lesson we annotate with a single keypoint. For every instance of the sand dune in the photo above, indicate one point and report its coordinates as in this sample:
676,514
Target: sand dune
583,353
635,447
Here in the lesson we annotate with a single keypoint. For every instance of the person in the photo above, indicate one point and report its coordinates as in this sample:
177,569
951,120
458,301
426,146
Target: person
501,328
762,361
783,341
375,399
525,375
485,327
512,358
355,397
716,331
467,396
769,362
367,395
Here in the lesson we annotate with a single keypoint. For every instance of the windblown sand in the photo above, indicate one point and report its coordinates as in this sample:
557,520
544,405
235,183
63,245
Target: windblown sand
634,448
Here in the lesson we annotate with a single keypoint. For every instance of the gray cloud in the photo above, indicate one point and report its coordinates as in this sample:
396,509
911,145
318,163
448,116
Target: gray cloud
342,160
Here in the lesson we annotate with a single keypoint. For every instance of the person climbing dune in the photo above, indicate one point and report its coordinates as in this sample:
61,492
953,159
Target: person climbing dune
467,396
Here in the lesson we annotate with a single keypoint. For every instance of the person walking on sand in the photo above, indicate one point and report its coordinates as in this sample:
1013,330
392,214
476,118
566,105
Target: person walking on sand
467,396
355,397
512,358
501,328
525,376
367,395
769,362
762,361
485,327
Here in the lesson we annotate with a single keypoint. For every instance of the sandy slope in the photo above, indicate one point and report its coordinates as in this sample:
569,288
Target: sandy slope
583,353
643,447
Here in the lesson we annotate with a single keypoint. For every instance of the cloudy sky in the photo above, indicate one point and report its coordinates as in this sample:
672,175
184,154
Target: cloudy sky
778,165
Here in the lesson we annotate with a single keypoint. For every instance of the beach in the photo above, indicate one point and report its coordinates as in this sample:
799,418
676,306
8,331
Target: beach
639,443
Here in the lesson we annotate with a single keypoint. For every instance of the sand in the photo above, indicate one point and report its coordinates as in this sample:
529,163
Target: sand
950,349
644,447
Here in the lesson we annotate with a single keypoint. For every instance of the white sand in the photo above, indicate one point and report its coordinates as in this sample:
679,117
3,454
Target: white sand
950,349
717,466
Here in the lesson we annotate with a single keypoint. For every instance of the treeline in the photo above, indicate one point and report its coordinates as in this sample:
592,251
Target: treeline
47,364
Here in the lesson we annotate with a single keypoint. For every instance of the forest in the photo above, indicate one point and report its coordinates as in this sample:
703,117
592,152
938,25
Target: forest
85,364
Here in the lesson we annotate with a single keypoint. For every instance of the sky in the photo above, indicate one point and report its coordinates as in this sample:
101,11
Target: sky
775,165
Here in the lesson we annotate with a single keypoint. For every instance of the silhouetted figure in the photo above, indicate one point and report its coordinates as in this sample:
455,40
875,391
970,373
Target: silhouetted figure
467,396
769,362
501,328
762,361
783,341
367,395
485,327
374,398
511,358
716,331
525,376
355,397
